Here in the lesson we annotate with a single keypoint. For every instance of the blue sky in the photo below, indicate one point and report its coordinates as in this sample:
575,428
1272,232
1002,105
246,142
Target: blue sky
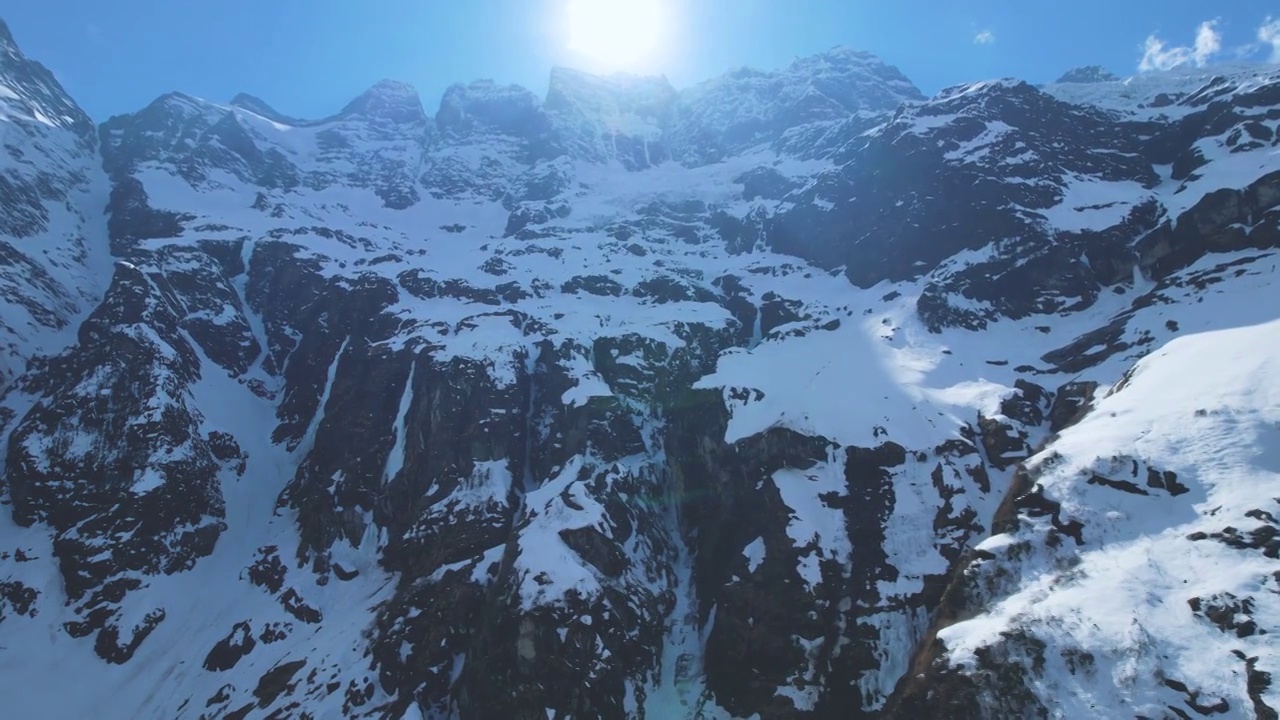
308,57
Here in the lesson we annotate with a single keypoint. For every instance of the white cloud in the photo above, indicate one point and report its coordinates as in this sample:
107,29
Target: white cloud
1157,55
1269,34
1244,52
985,37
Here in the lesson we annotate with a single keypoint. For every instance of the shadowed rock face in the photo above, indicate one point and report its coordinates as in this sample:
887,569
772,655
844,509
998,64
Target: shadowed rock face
1223,221
113,460
629,402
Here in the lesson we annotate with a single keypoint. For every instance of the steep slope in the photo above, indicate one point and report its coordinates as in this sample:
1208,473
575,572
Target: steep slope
1140,569
52,192
641,403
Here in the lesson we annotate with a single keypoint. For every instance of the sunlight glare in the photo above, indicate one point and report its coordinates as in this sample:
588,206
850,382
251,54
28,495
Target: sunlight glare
615,34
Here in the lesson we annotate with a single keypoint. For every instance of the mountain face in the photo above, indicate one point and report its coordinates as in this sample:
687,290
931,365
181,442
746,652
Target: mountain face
52,192
795,394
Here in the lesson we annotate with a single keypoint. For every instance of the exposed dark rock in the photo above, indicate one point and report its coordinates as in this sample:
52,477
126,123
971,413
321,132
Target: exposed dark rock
275,681
997,687
1167,480
1121,485
1090,348
268,571
602,285
665,289
1258,683
230,649
133,219
1027,404
1265,538
145,497
297,607
776,311
529,214
16,598
1228,612
496,266
344,574
1034,504
1005,445
110,646
420,285
282,284
1070,403
765,182
1221,221
225,449
1195,699
892,163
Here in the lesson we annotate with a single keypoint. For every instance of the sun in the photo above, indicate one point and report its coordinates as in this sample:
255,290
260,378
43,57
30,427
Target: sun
615,34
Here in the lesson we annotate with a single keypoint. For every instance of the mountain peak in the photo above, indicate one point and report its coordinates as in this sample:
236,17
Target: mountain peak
182,104
746,107
998,87
620,117
845,53
259,107
6,37
842,61
1088,74
31,92
627,103
484,105
387,99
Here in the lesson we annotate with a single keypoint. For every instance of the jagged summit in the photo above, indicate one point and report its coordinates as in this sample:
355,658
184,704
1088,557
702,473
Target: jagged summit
1088,74
838,59
796,104
843,62
639,121
856,78
33,92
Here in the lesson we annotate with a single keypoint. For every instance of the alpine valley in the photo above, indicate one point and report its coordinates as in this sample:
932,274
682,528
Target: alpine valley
792,394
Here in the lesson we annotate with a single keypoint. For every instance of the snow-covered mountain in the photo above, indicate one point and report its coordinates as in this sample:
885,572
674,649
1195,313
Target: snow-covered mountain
52,193
793,394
